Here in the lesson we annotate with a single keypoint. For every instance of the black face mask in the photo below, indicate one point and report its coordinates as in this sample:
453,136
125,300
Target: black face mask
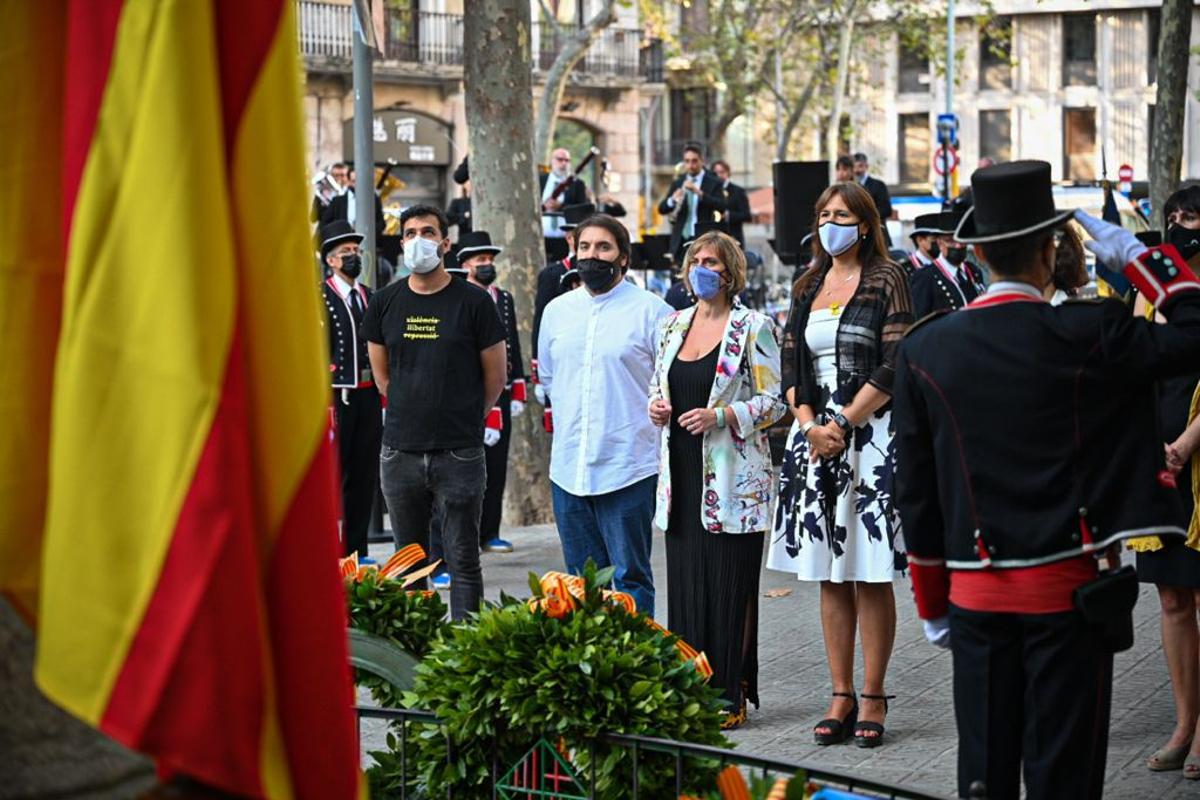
485,274
956,255
351,265
934,250
596,273
1186,240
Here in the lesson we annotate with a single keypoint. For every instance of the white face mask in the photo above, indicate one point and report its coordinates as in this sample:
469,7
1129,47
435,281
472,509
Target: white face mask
422,255
837,239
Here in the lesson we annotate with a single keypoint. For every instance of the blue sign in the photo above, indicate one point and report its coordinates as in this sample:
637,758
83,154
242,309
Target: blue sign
947,129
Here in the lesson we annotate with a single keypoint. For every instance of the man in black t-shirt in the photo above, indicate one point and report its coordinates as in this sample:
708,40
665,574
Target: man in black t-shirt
438,354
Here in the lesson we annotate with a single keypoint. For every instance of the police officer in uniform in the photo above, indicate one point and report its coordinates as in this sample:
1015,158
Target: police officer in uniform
924,238
357,414
477,256
950,282
1027,444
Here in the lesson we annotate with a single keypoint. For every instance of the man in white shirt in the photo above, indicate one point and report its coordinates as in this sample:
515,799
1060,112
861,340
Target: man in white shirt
596,351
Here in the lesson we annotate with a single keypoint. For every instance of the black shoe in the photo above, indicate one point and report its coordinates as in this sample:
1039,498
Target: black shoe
839,729
863,728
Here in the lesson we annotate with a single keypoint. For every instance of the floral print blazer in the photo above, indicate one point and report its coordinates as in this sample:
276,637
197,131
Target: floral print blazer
737,468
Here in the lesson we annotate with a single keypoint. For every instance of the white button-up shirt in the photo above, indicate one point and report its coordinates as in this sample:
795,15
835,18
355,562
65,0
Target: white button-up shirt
595,360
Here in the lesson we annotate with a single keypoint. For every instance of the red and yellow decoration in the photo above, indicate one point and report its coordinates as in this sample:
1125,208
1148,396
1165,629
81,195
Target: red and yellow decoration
397,568
169,522
563,593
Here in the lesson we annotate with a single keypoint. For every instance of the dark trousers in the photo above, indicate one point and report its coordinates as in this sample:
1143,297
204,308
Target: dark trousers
450,485
496,458
1031,691
359,430
497,474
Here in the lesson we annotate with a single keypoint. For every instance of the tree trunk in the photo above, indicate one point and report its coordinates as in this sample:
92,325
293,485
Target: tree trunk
794,115
843,74
716,139
46,751
1173,54
504,193
556,77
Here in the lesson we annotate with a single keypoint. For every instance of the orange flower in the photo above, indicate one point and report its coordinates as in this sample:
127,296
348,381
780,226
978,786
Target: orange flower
557,607
362,573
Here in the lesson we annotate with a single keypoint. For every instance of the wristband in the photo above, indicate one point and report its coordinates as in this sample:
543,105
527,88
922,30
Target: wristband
840,420
806,427
720,417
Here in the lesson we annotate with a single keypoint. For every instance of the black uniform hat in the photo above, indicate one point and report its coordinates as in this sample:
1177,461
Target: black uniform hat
572,216
335,233
928,225
475,243
1011,200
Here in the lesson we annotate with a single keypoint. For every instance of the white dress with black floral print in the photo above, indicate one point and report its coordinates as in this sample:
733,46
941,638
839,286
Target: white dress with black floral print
836,519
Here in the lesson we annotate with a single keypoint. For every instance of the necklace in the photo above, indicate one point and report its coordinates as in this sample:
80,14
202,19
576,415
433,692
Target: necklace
838,286
835,308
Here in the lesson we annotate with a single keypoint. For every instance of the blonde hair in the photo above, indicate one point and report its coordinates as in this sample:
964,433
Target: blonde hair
731,255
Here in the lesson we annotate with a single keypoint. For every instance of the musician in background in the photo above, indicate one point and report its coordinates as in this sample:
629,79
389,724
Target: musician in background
575,193
694,196
738,201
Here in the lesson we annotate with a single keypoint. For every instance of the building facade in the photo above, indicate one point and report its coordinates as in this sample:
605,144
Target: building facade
420,118
1066,82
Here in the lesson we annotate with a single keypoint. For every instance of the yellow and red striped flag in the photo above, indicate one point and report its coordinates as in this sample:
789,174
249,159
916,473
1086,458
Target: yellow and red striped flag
169,518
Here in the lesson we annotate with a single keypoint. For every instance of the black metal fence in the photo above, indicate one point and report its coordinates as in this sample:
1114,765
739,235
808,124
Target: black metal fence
681,752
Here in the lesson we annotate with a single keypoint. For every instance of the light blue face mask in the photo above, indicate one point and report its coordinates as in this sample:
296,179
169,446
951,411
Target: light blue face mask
837,238
705,282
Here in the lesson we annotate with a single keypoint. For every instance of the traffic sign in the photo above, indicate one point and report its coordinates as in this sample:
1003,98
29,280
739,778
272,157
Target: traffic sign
1125,173
939,155
947,129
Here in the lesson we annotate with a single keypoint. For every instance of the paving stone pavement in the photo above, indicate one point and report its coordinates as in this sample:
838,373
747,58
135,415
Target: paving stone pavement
920,748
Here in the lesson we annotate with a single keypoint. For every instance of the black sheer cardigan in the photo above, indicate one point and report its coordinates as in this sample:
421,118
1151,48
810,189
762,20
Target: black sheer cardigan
869,332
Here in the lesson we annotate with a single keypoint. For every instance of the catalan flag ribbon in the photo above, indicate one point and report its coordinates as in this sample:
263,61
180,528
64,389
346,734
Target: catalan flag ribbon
169,520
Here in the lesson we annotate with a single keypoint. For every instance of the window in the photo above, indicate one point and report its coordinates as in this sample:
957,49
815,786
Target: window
995,54
914,70
1079,49
1153,19
914,148
995,135
692,112
1079,144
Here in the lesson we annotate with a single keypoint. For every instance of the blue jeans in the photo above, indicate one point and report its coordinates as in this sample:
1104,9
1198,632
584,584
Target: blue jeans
611,529
449,483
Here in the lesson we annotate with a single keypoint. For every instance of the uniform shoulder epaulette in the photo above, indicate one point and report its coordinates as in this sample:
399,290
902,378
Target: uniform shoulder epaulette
925,320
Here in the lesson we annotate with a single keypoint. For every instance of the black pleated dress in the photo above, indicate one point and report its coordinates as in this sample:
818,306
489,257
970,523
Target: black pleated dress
712,578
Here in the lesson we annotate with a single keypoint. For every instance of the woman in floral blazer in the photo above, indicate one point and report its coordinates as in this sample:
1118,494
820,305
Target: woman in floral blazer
715,391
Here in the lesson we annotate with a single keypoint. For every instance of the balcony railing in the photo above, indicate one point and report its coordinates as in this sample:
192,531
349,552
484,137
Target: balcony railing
429,38
324,29
615,51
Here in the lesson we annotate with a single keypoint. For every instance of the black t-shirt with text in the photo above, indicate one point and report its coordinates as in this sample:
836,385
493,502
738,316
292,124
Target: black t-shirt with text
435,394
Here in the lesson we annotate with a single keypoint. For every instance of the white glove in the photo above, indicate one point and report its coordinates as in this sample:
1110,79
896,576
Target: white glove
491,436
1113,246
517,408
539,393
937,632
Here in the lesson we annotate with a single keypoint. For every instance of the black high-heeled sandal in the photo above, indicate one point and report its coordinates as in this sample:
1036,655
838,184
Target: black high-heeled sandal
863,728
839,729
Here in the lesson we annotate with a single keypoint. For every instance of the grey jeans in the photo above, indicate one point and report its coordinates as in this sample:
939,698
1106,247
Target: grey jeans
452,483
